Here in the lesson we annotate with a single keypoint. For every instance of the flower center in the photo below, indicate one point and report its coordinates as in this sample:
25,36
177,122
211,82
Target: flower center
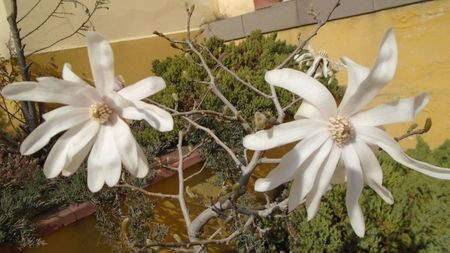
340,129
100,112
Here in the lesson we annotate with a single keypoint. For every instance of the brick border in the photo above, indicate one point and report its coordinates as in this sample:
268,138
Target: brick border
294,13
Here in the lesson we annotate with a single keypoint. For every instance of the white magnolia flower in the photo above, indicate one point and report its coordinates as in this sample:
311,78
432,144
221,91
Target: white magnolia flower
317,62
93,118
329,133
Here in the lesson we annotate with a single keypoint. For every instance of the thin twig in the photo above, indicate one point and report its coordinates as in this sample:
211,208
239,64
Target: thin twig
218,141
29,11
145,192
302,44
196,173
43,22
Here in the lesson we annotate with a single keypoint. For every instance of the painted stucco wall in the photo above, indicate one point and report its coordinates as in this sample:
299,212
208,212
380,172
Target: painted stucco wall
231,8
125,20
423,37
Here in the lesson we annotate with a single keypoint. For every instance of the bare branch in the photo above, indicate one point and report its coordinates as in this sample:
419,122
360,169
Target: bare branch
412,131
181,199
43,22
302,44
233,74
196,173
29,11
148,193
214,136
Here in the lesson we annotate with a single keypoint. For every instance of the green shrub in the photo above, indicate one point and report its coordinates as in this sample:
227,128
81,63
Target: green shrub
249,59
416,222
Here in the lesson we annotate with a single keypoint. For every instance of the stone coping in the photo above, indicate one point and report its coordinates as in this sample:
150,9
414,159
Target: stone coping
294,13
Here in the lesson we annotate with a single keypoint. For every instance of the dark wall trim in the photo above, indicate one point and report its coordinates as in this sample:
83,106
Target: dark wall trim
294,13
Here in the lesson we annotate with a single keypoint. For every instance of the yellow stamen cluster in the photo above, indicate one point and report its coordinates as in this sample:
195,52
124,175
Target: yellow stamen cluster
100,112
340,129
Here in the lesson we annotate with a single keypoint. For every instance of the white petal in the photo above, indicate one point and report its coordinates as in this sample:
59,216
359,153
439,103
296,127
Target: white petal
306,110
373,174
76,161
142,169
325,67
57,157
322,182
51,90
68,146
313,67
290,163
283,134
306,175
102,62
138,110
158,118
383,140
379,76
306,87
112,164
144,88
126,145
355,184
67,118
104,161
402,110
68,75
355,74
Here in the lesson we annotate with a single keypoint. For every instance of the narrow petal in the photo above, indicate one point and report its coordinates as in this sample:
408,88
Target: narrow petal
307,110
51,90
290,163
380,138
322,182
373,174
144,88
306,175
283,134
76,161
138,110
402,110
355,74
112,165
126,145
355,184
379,76
42,134
68,75
57,157
142,169
325,67
313,67
158,118
68,146
103,161
102,62
306,87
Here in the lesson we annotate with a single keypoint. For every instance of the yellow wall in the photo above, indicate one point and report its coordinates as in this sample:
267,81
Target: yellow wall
423,37
125,20
231,8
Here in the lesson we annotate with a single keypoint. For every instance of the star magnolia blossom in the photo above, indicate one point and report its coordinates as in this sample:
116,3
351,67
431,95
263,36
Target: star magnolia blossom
315,59
93,118
329,133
